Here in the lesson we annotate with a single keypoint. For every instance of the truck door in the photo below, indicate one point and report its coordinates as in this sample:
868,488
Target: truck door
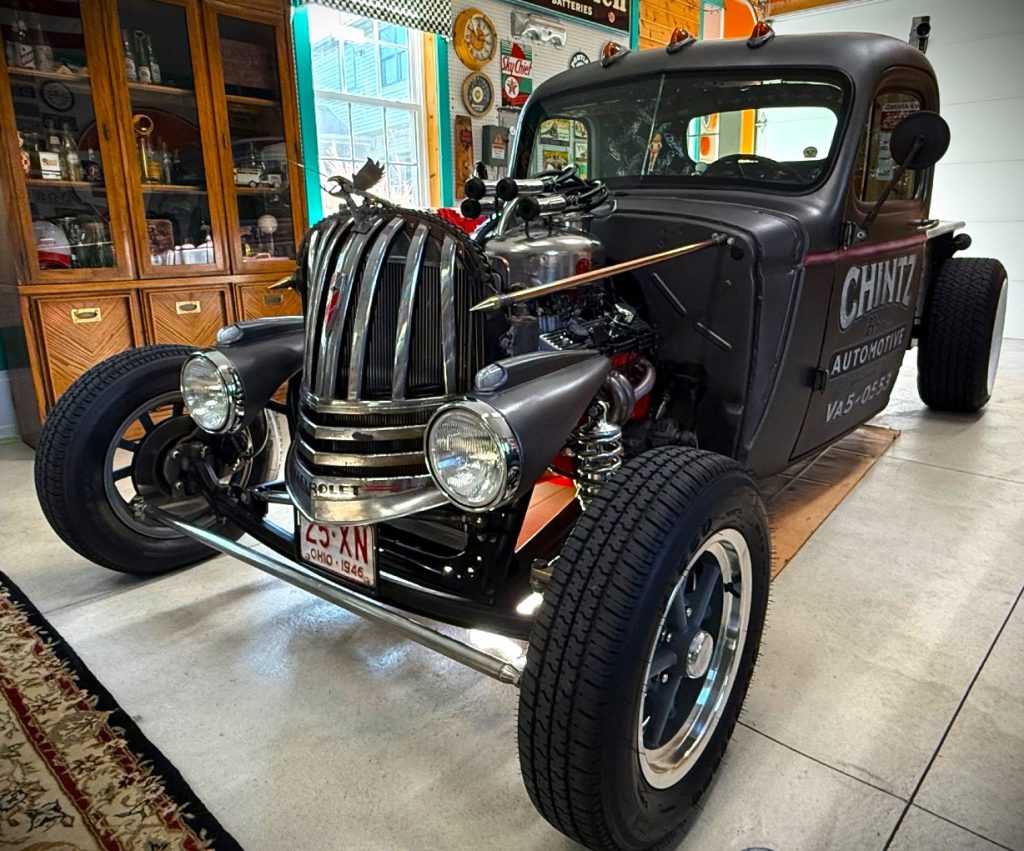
877,279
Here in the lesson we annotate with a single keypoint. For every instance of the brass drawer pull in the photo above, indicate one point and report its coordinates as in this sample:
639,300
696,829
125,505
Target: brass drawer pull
273,299
187,307
84,315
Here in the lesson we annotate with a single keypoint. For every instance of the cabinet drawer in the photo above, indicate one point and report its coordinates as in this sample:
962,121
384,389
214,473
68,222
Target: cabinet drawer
255,301
78,332
190,316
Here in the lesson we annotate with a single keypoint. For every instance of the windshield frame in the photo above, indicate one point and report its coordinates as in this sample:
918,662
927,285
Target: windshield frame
534,114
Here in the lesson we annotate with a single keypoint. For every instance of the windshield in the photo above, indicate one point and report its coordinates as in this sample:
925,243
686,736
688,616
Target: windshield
687,127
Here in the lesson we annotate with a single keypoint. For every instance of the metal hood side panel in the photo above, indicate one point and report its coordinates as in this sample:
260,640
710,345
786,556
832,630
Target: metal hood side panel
728,316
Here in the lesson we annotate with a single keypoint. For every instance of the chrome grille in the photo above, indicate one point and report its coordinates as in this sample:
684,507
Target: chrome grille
389,337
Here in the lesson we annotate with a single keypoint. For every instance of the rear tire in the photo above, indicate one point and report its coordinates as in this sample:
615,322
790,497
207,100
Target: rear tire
961,335
75,448
594,760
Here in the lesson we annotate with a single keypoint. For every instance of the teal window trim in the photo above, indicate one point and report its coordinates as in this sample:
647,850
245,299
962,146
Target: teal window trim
307,114
446,153
634,24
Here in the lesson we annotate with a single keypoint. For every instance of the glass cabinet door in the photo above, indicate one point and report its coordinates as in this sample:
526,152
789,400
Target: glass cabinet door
260,162
67,189
167,132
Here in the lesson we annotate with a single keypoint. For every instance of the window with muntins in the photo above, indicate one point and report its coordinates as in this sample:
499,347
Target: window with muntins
367,85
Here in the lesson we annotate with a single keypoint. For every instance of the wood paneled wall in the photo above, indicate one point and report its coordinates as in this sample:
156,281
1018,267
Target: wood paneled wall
659,17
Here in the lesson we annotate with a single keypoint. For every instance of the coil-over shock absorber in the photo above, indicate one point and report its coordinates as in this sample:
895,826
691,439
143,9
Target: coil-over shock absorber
597,447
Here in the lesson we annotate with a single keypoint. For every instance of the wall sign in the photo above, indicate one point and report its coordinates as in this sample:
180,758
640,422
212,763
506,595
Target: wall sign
516,73
579,59
477,94
608,13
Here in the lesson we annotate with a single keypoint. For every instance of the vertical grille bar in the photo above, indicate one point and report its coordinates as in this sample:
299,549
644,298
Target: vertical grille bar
448,255
367,289
333,327
321,247
403,336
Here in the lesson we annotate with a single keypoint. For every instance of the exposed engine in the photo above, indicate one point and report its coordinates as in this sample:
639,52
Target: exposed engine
539,234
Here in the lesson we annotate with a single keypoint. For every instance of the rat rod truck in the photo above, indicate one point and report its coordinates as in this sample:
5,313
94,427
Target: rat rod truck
730,286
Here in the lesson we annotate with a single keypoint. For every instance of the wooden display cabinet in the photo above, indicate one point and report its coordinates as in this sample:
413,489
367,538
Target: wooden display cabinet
185,203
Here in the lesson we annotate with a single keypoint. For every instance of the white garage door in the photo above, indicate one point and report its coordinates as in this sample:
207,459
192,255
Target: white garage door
976,48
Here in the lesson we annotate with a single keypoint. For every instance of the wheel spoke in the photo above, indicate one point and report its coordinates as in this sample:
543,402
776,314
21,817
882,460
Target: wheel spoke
700,598
122,473
662,661
665,698
177,409
677,614
128,445
147,422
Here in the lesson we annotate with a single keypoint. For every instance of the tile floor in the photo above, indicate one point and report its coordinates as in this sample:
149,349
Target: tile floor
886,710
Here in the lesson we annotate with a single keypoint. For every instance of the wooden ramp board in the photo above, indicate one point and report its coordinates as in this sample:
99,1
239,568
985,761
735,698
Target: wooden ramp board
800,498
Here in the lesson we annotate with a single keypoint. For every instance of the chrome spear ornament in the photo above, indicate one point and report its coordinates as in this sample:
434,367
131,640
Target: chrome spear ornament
529,293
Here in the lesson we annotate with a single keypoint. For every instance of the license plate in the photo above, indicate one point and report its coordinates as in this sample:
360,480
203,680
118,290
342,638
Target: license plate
346,551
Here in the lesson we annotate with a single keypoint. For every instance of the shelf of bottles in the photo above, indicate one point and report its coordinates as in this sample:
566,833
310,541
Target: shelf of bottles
166,133
51,89
256,126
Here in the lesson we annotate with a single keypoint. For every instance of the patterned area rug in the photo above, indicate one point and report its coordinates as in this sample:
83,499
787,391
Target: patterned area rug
76,774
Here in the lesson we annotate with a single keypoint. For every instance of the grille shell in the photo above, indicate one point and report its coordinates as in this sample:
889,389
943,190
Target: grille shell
389,338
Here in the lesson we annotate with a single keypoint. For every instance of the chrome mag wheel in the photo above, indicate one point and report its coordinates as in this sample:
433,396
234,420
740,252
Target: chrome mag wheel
692,665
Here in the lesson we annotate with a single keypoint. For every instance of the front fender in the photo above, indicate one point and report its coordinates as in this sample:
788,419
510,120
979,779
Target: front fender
542,396
265,353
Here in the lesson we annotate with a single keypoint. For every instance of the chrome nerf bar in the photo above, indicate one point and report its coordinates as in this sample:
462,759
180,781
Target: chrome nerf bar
308,580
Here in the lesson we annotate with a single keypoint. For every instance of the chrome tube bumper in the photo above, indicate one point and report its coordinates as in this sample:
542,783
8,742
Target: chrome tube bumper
299,575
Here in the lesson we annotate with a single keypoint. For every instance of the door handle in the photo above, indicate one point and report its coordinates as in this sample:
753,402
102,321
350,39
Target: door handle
181,307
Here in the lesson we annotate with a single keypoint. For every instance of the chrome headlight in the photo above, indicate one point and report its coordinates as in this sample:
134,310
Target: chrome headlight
473,455
212,390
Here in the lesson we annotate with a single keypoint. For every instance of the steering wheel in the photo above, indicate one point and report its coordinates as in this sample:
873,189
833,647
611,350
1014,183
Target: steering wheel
732,166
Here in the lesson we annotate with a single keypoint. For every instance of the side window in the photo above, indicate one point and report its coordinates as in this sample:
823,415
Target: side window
875,165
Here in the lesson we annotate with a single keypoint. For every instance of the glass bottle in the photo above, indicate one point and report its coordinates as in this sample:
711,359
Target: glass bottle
92,170
56,147
129,59
165,164
33,144
41,49
26,51
142,68
71,157
154,67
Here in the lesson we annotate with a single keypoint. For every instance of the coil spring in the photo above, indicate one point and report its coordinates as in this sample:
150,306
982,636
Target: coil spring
597,448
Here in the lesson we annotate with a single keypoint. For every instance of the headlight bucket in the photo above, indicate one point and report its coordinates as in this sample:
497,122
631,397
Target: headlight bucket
473,455
213,392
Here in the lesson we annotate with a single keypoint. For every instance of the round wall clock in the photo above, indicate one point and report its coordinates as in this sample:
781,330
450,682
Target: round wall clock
475,38
477,94
57,96
579,59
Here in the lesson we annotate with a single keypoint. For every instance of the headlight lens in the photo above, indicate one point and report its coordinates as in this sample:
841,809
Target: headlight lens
473,455
212,391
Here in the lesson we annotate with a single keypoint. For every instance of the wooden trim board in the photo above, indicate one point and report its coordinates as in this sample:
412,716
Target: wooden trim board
800,498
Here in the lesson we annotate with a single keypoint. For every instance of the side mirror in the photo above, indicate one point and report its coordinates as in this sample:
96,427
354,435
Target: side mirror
920,140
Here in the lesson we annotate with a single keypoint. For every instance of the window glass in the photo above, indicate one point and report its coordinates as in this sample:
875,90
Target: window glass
368,102
700,127
875,165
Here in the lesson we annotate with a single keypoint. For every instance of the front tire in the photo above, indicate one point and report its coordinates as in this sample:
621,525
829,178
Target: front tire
643,649
961,335
106,443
